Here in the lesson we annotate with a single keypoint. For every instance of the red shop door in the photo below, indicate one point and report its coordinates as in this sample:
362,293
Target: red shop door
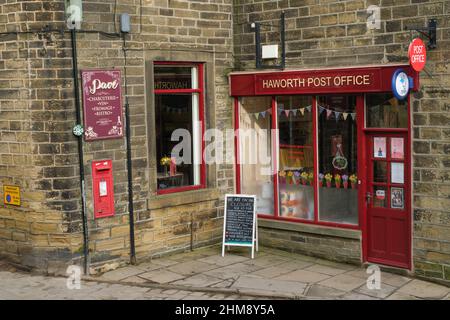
388,199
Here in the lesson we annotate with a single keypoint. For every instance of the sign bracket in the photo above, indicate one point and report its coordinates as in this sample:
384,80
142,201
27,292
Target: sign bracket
429,32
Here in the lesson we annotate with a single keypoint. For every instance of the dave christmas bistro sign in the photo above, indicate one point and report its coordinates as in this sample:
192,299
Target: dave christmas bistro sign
102,101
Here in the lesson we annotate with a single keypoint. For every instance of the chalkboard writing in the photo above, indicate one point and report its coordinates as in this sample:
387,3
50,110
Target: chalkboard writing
239,220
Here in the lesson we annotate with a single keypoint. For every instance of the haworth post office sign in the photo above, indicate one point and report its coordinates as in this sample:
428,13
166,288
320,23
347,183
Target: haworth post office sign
102,102
344,80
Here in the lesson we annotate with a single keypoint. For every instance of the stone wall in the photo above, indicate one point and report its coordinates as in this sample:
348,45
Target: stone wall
334,33
38,152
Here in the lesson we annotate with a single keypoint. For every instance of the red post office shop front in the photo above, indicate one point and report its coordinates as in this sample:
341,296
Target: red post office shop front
332,152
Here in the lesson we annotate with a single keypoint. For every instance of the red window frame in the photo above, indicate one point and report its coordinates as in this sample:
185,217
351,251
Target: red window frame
201,105
360,101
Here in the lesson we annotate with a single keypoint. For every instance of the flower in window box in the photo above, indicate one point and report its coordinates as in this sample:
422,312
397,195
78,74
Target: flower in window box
321,177
337,180
353,179
328,178
297,176
304,176
345,181
311,178
282,175
290,174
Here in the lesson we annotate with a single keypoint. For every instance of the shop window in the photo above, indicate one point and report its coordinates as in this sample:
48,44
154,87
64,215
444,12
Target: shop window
296,157
255,114
179,117
337,148
386,111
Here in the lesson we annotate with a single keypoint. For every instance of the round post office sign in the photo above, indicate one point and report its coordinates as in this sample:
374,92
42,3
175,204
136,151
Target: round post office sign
400,84
417,53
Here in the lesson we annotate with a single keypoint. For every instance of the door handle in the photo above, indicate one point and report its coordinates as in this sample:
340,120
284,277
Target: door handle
368,197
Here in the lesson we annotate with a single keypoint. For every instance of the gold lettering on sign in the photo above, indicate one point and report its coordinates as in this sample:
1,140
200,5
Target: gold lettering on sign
337,81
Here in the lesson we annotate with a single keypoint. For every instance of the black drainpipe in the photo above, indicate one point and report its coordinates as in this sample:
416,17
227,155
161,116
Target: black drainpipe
129,163
80,151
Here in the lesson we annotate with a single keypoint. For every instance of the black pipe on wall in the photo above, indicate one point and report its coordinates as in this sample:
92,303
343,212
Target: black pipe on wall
80,151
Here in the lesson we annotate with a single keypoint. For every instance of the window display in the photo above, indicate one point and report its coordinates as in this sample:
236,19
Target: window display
337,146
296,154
176,110
256,151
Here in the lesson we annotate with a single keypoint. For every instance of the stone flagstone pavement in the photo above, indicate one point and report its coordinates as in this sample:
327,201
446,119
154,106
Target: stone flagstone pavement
273,273
205,274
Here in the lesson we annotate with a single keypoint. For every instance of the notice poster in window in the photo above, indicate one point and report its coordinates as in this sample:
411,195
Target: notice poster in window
397,148
397,198
379,147
397,172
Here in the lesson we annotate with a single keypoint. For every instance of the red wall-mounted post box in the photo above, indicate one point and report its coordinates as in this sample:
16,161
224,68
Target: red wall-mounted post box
102,185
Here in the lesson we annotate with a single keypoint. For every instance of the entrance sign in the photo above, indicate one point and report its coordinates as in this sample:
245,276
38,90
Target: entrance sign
102,102
417,53
239,224
11,195
400,84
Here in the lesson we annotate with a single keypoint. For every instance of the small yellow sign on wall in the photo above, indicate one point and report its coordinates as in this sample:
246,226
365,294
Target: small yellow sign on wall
11,195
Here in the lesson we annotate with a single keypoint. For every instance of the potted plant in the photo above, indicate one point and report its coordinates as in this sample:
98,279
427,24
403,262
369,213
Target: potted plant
311,178
328,178
282,175
304,176
290,174
321,176
353,179
165,162
337,180
297,177
345,181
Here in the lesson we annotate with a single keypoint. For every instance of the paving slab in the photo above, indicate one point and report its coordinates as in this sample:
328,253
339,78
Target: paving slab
384,291
121,273
191,267
331,271
425,290
273,272
303,276
161,276
343,282
317,290
337,265
164,262
357,296
267,260
199,281
401,296
232,271
223,261
134,279
224,284
269,285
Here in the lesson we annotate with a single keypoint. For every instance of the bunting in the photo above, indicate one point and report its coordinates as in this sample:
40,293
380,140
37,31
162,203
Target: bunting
301,111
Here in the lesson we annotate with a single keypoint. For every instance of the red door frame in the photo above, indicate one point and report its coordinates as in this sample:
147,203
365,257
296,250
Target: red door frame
408,183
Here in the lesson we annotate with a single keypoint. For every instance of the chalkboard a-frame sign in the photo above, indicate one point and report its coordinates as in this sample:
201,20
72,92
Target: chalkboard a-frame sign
239,222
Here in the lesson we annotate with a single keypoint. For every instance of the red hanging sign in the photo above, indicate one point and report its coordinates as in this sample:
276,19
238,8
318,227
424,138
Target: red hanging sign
417,53
102,102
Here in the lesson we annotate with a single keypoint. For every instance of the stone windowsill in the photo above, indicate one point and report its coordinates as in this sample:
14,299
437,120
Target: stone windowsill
310,228
182,198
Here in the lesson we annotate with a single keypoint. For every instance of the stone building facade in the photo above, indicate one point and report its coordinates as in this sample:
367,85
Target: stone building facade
38,151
